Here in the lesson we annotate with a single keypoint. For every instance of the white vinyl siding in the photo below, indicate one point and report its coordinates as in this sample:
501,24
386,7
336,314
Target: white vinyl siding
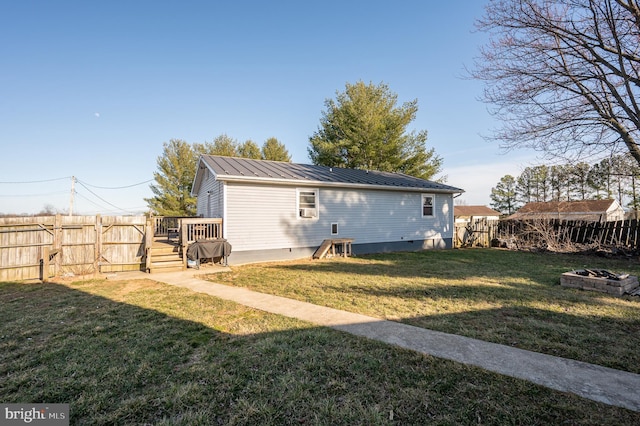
262,217
210,199
386,216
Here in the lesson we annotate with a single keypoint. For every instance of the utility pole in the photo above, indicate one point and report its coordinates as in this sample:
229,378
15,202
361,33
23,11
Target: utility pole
73,191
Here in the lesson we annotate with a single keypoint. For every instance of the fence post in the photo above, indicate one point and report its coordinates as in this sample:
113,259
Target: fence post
57,244
184,241
148,242
97,250
44,264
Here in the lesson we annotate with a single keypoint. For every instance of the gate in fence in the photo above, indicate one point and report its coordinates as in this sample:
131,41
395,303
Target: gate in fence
476,232
39,247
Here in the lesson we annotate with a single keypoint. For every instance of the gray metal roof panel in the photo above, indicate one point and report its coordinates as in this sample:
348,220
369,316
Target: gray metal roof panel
230,167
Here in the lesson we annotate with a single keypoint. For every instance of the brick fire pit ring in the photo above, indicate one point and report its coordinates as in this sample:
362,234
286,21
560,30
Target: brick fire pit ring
599,280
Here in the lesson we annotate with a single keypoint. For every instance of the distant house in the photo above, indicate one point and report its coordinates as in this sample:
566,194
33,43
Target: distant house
276,210
465,214
588,210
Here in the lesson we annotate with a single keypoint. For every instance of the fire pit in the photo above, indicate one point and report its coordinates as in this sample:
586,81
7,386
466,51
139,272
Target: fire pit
600,280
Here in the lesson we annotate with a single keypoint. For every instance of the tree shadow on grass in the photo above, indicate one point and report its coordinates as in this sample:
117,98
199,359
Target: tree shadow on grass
148,353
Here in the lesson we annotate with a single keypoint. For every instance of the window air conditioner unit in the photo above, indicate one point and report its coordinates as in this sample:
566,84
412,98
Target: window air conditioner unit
307,212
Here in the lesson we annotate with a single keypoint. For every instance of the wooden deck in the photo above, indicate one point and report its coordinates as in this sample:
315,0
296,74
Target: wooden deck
165,256
167,245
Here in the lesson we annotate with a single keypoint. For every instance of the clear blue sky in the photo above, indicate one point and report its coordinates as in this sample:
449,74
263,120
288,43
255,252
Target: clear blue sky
93,89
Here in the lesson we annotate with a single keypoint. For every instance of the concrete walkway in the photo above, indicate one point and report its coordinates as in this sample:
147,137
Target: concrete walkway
613,387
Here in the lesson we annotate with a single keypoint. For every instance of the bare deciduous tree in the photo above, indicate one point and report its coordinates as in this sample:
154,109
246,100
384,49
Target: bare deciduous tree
563,75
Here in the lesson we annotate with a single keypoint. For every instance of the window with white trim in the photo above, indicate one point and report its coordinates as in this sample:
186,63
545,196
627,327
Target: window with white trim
428,201
307,203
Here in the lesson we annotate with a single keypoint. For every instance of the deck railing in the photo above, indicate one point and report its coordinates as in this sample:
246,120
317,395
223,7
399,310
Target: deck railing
198,229
194,229
164,226
185,230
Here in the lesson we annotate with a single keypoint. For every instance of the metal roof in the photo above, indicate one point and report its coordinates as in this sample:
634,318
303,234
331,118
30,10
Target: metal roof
236,168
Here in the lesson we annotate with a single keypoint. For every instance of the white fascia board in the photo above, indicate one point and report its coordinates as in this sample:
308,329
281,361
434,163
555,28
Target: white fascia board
249,179
197,179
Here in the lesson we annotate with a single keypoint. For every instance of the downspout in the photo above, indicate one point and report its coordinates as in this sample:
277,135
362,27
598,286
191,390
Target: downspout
224,210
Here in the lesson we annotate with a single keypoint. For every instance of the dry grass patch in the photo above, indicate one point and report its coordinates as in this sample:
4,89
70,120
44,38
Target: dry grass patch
506,297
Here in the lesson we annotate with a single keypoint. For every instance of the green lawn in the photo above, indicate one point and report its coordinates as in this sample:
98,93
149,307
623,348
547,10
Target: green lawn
507,297
141,352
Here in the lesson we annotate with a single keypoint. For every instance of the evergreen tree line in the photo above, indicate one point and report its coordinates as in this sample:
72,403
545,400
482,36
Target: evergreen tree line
616,177
177,169
363,128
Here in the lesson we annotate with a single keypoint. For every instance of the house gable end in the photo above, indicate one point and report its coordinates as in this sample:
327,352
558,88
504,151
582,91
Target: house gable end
203,172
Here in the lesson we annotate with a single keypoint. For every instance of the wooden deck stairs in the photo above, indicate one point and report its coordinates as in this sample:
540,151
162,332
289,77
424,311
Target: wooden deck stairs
329,248
165,256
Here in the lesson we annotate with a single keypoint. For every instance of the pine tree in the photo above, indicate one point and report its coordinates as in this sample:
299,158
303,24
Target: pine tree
364,128
273,150
503,196
174,178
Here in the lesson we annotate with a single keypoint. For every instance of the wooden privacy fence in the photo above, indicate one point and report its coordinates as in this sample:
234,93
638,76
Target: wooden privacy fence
43,246
622,234
477,232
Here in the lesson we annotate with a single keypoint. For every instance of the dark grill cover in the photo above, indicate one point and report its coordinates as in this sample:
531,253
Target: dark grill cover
208,249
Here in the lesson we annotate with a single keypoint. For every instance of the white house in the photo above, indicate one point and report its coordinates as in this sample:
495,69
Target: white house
275,210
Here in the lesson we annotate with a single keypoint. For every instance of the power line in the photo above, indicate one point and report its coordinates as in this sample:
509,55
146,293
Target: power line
34,195
116,187
78,180
102,199
102,208
37,181
92,202
74,180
